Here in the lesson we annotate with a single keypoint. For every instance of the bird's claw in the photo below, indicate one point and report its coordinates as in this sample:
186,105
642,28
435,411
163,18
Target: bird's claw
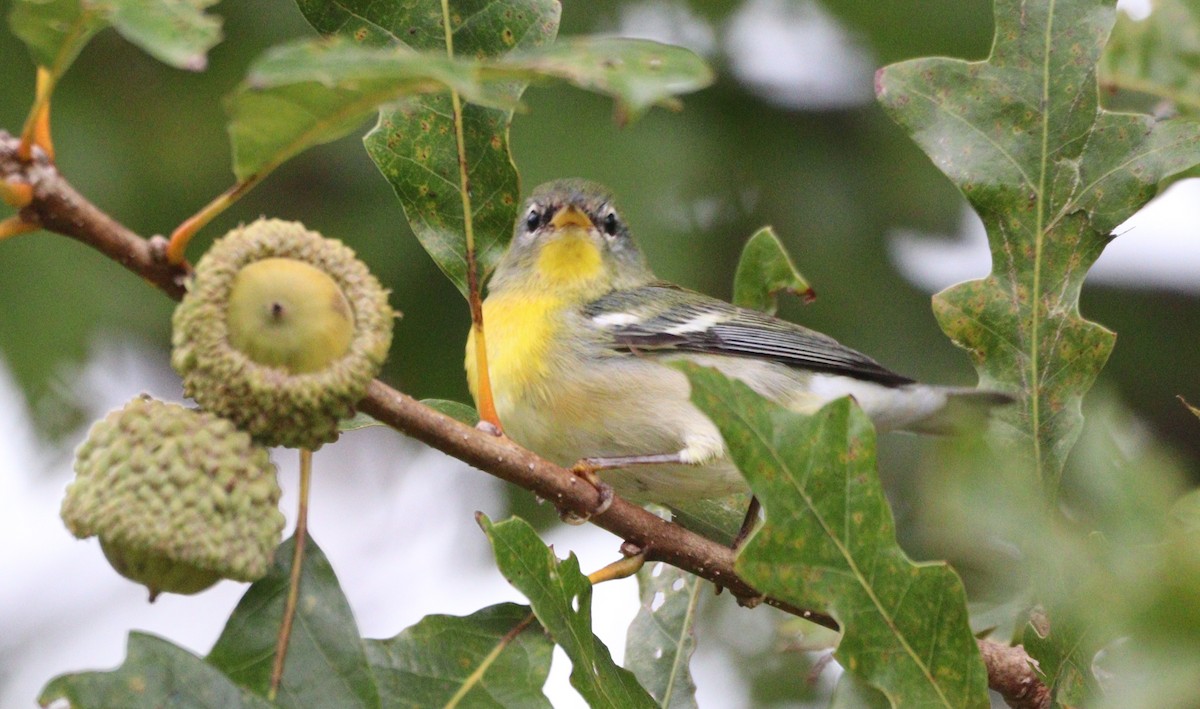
585,470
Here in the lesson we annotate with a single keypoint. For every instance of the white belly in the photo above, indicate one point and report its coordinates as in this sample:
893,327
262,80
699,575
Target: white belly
623,407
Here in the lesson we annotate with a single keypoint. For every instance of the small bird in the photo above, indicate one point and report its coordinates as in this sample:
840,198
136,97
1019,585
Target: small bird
580,337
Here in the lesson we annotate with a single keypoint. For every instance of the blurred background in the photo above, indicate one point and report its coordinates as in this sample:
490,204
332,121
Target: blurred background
789,136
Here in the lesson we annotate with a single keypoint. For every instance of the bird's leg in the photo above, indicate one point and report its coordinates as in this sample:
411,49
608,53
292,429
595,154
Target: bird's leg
587,473
624,461
697,452
588,467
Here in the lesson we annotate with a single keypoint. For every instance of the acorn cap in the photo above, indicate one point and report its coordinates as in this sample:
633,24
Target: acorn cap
179,498
275,405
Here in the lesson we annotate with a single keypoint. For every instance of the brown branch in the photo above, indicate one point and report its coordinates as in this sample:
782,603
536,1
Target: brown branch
57,207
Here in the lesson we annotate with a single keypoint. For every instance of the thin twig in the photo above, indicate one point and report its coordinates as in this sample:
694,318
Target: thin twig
58,207
300,539
487,405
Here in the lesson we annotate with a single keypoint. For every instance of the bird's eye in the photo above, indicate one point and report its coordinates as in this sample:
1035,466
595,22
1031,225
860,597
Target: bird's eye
611,224
533,219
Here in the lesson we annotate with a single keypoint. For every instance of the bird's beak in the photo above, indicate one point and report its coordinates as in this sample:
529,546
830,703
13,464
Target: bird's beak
570,215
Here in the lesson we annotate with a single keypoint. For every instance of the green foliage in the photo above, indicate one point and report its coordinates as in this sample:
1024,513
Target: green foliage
1120,564
155,674
764,271
415,146
1051,174
637,74
55,31
326,662
561,597
1158,57
662,636
311,92
495,657
829,543
177,33
1116,579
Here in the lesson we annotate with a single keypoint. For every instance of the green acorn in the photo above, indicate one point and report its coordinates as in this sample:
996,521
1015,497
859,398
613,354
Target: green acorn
281,331
179,498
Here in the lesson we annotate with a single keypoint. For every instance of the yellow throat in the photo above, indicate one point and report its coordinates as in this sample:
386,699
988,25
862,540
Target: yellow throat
521,322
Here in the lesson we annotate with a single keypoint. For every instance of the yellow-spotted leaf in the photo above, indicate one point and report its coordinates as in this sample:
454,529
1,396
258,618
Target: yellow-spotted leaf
1051,174
829,543
416,145
440,170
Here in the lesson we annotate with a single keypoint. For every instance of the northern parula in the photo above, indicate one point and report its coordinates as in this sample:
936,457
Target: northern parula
580,333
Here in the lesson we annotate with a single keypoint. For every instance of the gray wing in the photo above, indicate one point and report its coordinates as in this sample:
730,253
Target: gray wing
699,324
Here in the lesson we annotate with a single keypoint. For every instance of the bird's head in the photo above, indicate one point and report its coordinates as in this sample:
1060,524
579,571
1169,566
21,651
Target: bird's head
570,240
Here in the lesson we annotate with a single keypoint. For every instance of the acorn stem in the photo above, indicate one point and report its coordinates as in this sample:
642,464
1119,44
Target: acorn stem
182,236
300,537
37,126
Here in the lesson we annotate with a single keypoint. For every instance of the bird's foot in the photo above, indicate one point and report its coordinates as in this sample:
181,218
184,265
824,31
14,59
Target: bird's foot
584,470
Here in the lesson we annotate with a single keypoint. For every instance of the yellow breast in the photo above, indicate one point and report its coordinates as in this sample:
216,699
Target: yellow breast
520,332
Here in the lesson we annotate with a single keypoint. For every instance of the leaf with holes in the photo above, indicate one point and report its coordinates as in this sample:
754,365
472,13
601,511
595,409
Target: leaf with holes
1051,174
497,656
829,542
561,597
764,271
155,674
662,637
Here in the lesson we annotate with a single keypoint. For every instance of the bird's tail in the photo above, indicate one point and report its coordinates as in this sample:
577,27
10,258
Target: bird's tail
964,409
